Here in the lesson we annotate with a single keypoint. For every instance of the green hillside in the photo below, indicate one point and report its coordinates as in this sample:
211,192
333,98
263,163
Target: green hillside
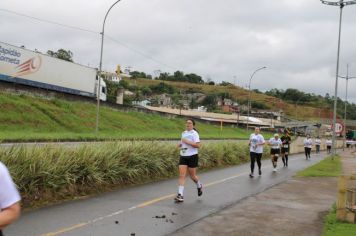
29,118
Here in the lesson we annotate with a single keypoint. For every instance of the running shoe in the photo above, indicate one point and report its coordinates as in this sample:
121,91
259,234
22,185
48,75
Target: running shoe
200,190
274,169
179,198
259,172
251,175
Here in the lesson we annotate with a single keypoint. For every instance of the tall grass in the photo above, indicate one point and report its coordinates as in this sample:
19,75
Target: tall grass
54,172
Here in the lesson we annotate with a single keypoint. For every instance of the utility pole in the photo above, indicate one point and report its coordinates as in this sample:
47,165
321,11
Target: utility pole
347,77
340,4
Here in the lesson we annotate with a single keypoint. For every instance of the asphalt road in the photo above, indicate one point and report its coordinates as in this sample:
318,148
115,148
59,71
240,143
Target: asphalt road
149,209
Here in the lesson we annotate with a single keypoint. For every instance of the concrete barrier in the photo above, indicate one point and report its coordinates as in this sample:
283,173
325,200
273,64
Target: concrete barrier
297,145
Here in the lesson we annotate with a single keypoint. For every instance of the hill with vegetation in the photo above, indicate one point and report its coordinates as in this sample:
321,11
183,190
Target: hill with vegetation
294,104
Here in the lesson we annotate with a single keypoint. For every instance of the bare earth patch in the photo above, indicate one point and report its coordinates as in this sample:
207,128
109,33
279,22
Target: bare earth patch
295,207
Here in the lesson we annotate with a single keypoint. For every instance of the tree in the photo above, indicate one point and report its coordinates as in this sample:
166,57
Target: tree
210,102
193,103
179,76
62,54
193,78
224,83
163,88
146,91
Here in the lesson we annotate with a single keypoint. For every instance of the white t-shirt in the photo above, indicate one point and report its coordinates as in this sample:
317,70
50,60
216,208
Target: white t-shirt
308,142
8,192
349,141
188,150
329,142
317,141
254,140
275,143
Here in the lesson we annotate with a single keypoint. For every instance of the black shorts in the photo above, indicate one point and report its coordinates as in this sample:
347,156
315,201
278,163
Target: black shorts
275,151
285,150
190,161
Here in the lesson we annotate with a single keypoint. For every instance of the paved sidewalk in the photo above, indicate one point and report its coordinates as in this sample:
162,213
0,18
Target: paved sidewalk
295,207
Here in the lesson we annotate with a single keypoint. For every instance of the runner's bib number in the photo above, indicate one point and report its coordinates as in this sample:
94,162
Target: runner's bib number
285,146
183,151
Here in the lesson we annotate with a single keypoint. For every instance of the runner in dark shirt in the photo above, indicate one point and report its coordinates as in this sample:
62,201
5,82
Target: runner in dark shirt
286,140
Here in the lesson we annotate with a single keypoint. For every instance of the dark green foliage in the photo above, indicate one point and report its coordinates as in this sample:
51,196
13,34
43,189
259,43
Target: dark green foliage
224,83
62,54
301,98
179,76
142,75
210,102
259,105
163,88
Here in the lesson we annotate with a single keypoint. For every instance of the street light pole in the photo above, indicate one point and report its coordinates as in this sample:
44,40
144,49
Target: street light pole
249,95
340,4
100,68
347,77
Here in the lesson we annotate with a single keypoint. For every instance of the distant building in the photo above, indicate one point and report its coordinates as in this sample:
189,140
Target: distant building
201,109
143,103
227,105
164,100
110,76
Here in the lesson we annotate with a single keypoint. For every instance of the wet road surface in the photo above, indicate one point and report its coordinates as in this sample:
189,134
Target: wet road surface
149,209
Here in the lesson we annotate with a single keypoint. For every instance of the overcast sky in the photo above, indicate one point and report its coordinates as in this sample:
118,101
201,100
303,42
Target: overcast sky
223,40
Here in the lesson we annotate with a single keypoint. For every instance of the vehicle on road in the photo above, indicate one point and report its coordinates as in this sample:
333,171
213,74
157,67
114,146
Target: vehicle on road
23,66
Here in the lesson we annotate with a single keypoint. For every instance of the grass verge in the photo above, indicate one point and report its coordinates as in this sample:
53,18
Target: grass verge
333,227
329,167
26,118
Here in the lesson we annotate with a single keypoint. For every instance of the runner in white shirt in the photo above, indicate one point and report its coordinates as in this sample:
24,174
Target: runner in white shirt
189,144
317,144
308,143
328,143
275,144
256,143
9,199
349,143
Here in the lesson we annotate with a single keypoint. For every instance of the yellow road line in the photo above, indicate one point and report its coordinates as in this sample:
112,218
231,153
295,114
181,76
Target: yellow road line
64,230
141,205
155,200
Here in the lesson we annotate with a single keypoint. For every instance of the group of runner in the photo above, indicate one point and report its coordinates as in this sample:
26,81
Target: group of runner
190,143
279,146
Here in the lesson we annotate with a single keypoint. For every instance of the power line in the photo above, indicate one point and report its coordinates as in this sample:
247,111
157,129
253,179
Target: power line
89,31
139,52
49,22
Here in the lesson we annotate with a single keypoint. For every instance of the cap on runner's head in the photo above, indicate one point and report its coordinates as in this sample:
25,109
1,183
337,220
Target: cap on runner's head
276,135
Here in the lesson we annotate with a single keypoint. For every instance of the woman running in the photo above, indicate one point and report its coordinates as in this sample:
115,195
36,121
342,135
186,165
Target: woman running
286,140
256,143
328,143
317,144
308,143
275,143
189,144
9,199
